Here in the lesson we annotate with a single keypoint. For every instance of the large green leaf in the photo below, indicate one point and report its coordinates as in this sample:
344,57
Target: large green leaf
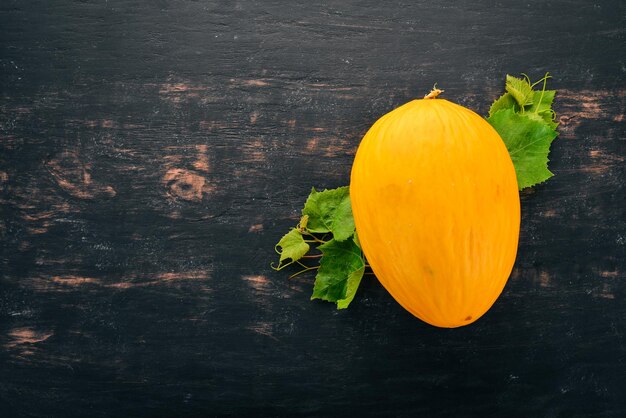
330,211
340,272
528,142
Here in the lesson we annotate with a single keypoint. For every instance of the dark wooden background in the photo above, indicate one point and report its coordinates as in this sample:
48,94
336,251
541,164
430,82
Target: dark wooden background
152,153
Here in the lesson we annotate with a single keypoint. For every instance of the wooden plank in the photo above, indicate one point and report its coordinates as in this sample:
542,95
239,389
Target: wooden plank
151,155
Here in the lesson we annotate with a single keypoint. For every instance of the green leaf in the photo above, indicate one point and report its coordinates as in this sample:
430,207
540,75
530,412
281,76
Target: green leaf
545,117
292,247
520,90
541,108
528,142
506,101
340,273
542,101
330,211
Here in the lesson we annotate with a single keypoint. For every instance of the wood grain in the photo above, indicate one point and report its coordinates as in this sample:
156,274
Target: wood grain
152,153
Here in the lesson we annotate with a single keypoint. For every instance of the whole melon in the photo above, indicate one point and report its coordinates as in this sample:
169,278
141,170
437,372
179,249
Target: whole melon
436,206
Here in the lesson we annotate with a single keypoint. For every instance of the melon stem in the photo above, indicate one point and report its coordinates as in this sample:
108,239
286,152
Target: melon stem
434,93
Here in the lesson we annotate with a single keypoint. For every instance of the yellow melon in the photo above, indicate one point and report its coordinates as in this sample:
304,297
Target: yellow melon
437,211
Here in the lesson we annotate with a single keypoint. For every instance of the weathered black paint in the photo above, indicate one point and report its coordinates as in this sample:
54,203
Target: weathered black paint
152,153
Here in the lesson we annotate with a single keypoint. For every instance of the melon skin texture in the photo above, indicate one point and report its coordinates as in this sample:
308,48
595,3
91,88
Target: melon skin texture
436,206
